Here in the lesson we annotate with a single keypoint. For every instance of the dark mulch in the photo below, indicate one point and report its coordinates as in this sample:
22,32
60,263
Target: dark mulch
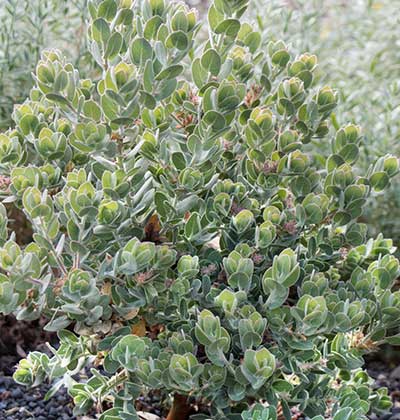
387,374
17,338
19,403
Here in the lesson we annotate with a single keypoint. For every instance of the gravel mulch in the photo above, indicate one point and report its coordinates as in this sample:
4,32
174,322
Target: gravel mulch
389,377
19,403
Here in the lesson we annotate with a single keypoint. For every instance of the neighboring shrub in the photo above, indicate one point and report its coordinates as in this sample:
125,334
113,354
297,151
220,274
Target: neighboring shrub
356,43
27,26
187,238
357,47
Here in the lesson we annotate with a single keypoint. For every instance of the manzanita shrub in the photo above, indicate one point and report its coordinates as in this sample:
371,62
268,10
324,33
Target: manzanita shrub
187,240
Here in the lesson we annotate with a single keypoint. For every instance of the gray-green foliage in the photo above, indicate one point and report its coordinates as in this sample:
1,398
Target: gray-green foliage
27,27
185,229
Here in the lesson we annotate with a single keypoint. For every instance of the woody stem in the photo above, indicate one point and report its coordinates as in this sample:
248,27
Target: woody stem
180,409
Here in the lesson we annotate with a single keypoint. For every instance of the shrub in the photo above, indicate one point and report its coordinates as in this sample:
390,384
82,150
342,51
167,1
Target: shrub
187,239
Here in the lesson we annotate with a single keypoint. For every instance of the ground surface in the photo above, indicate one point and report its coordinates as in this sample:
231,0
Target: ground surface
387,376
17,403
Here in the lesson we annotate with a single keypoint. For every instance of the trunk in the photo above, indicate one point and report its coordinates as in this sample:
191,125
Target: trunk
180,409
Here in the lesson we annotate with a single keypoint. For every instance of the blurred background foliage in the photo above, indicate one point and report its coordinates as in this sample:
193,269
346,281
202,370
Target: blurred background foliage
357,43
358,47
26,28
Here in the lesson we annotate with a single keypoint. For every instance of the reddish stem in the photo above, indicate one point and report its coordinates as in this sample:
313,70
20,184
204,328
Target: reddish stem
180,409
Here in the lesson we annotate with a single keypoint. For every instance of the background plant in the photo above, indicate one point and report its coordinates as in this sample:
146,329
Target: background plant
187,236
27,27
357,47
